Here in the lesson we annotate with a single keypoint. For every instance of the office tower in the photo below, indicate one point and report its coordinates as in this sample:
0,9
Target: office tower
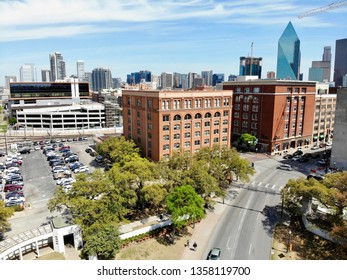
58,70
207,76
117,82
250,66
146,75
191,77
166,80
101,79
177,83
232,78
198,82
217,79
45,75
271,75
184,81
340,68
320,70
288,55
27,73
80,70
8,80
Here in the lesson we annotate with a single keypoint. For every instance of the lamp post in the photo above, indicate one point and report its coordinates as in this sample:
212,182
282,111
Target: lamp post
288,240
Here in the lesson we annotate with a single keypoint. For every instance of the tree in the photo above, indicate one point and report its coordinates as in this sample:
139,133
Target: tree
101,240
12,120
5,214
118,150
248,139
153,195
184,205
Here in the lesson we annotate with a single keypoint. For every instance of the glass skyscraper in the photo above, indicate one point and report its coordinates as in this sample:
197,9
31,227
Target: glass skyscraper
288,56
340,69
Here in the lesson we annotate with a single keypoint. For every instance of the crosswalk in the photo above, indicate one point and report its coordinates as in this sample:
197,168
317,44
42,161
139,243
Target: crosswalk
260,186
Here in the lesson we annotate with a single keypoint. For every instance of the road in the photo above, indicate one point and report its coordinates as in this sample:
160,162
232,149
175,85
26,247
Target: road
245,231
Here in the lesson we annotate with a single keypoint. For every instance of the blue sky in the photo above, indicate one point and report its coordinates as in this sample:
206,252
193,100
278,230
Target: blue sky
160,35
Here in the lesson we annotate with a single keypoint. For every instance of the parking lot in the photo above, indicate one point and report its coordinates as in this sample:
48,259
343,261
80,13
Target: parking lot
39,185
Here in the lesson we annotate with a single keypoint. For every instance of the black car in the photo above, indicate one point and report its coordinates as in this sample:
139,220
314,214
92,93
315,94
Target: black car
298,153
2,154
315,176
24,151
99,159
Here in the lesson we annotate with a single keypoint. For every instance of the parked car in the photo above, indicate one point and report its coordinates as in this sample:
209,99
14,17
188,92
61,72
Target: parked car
214,254
2,154
88,150
99,159
82,169
24,151
318,177
298,153
296,158
285,167
12,188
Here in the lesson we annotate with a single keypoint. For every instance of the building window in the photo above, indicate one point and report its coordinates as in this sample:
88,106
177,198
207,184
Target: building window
166,128
254,125
188,117
197,116
187,104
138,102
254,117
225,122
197,125
237,98
236,114
165,104
138,122
245,107
187,135
166,118
149,144
255,99
217,102
166,138
138,139
247,90
215,140
149,126
236,122
149,135
166,147
238,89
303,90
129,112
226,101
197,133
176,145
177,118
197,142
237,106
289,90
216,122
225,130
197,103
207,103
129,100
245,116
246,98
216,131
138,114
206,132
208,115
176,136
296,90
177,127
187,125
206,141
207,123
244,124
149,116
177,104
255,108
217,115
224,139
187,144
139,131
149,103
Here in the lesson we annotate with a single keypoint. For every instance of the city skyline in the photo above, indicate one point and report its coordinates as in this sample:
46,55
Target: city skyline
161,36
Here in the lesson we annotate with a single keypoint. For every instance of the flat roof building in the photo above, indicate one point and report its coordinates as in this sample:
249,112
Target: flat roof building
162,122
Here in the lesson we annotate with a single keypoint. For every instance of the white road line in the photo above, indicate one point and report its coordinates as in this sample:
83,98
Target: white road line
253,183
266,185
274,186
250,249
259,184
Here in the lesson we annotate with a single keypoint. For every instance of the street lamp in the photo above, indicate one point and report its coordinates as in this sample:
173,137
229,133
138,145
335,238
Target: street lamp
288,240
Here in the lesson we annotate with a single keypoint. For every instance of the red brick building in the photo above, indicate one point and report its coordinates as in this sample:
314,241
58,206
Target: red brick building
280,113
161,122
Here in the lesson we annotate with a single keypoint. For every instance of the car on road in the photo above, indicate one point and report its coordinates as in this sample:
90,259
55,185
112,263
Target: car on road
214,254
285,167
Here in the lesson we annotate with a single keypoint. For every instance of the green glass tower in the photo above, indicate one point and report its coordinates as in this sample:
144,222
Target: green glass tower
288,56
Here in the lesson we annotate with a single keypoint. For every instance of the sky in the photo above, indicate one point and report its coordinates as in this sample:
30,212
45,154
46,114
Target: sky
161,35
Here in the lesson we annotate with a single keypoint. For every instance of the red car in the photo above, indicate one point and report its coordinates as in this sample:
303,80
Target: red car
12,188
64,148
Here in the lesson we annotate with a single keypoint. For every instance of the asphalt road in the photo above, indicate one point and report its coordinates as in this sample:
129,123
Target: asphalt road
245,231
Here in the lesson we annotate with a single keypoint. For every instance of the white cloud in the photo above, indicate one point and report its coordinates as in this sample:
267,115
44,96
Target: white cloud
34,19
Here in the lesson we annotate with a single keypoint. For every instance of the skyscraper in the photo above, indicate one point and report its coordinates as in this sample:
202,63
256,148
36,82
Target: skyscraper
288,56
320,70
217,79
80,70
207,75
270,75
340,68
58,70
250,66
8,80
27,73
166,80
101,79
45,75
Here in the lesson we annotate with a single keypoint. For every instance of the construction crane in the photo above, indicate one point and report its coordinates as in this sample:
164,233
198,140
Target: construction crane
334,5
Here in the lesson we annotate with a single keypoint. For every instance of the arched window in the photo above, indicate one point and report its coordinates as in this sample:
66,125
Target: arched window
177,118
217,115
208,115
198,116
188,117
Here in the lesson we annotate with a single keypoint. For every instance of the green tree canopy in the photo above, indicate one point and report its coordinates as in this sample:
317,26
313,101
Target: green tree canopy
184,205
5,214
248,139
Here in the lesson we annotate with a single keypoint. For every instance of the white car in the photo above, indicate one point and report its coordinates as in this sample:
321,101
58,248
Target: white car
11,169
82,169
285,167
65,181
